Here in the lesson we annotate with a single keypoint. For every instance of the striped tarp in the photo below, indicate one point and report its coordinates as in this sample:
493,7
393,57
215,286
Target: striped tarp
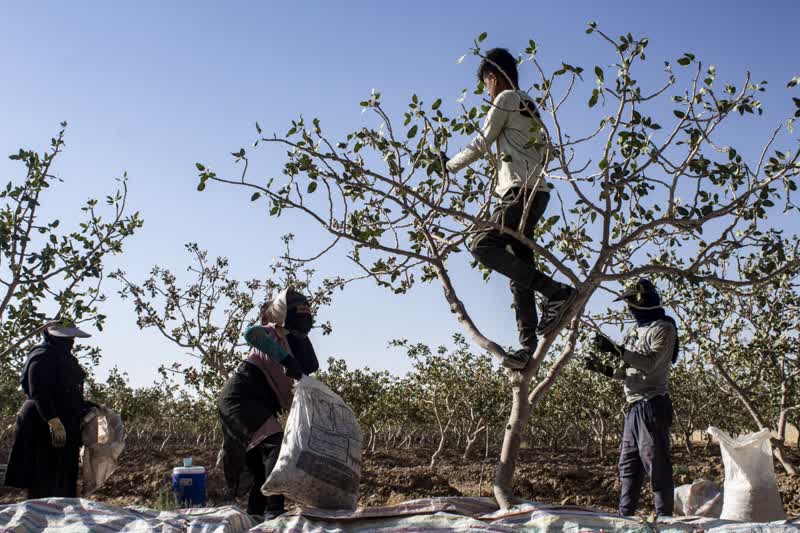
427,515
79,515
482,515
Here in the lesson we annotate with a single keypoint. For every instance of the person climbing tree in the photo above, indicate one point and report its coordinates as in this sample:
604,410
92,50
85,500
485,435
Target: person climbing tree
261,388
44,456
649,350
515,125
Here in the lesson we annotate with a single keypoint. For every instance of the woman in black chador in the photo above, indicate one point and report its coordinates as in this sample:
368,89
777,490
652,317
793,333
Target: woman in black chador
44,458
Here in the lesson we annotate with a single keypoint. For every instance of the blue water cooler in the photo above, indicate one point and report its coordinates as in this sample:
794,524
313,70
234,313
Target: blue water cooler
189,485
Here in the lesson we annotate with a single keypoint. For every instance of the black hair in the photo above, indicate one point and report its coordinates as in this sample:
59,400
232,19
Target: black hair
501,63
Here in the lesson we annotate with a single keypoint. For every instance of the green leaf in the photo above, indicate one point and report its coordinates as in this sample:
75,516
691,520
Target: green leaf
679,114
593,98
599,72
200,167
482,37
201,186
256,196
258,128
312,186
412,132
793,82
437,104
603,164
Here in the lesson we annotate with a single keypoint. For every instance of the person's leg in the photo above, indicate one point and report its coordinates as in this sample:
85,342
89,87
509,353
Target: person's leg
631,469
490,247
276,503
256,502
71,471
524,298
654,447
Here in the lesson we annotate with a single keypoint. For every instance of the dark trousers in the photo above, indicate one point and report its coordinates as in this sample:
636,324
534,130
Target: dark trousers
260,462
63,479
513,259
646,449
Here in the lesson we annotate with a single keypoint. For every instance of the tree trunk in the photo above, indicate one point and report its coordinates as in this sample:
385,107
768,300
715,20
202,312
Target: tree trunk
602,439
687,439
471,438
521,409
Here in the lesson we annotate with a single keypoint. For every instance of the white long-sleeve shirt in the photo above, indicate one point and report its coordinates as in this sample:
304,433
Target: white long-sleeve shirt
515,129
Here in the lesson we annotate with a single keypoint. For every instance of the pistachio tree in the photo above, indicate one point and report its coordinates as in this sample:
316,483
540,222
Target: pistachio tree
48,269
206,315
374,395
751,348
650,183
460,390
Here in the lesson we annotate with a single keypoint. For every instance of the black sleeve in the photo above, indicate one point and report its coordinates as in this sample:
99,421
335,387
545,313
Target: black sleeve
303,351
41,384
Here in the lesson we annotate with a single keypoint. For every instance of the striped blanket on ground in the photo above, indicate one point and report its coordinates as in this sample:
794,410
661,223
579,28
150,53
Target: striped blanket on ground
79,515
428,515
482,515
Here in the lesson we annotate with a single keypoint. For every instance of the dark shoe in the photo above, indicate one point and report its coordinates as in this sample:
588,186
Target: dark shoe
517,360
554,309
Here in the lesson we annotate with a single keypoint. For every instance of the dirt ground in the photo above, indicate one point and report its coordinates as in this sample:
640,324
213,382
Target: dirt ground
391,476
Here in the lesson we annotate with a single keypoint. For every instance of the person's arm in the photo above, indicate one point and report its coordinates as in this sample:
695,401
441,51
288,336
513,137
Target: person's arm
41,383
661,340
303,351
257,337
495,122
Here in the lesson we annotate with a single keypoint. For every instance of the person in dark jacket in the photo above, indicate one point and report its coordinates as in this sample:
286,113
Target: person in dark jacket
260,389
44,457
646,355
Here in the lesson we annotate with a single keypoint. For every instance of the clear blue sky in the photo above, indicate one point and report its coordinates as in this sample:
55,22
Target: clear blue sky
152,87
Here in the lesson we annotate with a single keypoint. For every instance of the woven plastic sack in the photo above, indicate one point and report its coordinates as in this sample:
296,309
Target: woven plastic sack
751,492
103,435
320,458
701,498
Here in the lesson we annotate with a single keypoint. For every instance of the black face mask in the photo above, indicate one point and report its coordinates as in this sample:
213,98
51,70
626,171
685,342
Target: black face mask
62,343
299,323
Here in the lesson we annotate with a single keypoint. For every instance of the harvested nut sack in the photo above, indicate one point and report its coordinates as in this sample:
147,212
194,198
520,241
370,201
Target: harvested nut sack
103,437
750,490
320,459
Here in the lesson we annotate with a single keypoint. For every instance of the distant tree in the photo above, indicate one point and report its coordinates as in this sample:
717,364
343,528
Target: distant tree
49,269
208,315
650,187
751,345
460,390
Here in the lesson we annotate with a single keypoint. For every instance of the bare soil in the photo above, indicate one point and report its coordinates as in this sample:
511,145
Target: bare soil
394,475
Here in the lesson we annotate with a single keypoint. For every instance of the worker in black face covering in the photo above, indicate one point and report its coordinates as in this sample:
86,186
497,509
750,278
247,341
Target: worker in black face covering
259,390
298,323
649,350
44,457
